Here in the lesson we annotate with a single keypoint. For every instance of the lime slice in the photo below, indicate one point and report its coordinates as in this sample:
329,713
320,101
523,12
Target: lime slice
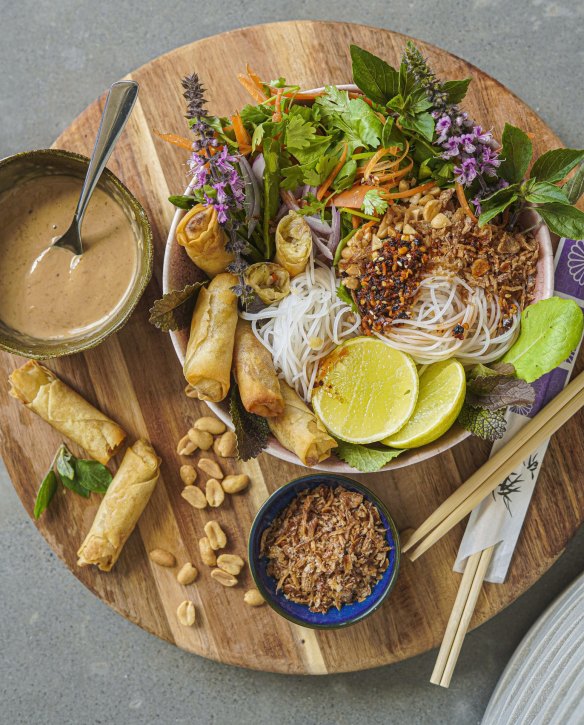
442,390
366,390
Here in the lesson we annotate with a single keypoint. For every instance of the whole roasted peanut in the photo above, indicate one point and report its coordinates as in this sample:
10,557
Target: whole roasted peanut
210,425
253,598
162,557
226,445
231,563
194,496
188,474
215,535
440,221
408,229
206,551
200,438
214,493
187,574
186,613
234,483
210,467
431,209
223,577
186,447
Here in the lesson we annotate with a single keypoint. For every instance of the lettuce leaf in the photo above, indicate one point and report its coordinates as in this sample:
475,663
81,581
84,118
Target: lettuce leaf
365,458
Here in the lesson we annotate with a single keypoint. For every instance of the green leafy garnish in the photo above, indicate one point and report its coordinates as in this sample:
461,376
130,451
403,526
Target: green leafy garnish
556,164
252,431
345,296
495,390
174,310
365,458
376,78
355,118
272,175
574,188
550,331
486,424
77,474
563,220
516,152
456,90
374,203
182,201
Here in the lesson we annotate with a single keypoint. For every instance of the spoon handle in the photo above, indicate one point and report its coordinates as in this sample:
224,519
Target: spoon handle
118,106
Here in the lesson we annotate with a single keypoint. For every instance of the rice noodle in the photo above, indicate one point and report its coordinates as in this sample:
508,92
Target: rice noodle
305,326
442,302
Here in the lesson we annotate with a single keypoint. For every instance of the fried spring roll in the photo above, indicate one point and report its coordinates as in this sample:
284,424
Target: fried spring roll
293,243
209,354
256,377
42,392
300,431
121,507
203,238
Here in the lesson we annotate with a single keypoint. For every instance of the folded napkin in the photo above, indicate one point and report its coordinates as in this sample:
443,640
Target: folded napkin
498,518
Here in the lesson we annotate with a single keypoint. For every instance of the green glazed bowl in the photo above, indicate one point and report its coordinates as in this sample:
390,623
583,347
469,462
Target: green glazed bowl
29,164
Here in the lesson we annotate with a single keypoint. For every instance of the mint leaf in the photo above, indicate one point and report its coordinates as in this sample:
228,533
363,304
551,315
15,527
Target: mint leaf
251,431
456,90
486,424
574,188
365,458
516,152
554,165
174,310
92,475
563,220
376,78
45,493
345,296
550,331
497,203
374,203
543,192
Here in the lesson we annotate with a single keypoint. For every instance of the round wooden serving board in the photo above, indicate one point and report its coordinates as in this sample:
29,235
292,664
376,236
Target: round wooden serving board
136,379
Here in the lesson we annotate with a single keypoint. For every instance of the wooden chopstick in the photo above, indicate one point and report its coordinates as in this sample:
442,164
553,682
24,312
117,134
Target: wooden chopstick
459,621
497,468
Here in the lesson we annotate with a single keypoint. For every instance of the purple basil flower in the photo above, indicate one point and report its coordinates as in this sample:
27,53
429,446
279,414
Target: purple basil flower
451,147
466,173
443,125
466,142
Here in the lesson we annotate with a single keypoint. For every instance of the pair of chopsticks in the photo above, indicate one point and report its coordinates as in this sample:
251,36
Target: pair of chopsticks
464,500
496,469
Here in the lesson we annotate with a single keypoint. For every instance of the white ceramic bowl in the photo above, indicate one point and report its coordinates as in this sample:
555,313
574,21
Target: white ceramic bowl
179,270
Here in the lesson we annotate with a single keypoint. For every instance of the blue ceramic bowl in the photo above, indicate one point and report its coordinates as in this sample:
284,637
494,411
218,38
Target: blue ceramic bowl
299,613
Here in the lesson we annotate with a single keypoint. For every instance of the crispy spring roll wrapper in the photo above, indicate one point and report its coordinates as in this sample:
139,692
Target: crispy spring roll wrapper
203,238
300,431
293,243
209,354
121,507
256,377
42,391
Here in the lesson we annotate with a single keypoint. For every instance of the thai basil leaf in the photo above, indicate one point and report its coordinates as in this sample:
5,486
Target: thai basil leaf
376,78
554,165
563,220
456,90
574,188
497,203
92,475
517,152
45,493
543,192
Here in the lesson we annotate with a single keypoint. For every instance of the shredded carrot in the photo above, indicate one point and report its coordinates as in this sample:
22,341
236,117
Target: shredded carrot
390,150
410,192
251,88
396,175
277,115
254,77
353,197
176,140
241,135
369,224
355,221
332,176
313,95
461,196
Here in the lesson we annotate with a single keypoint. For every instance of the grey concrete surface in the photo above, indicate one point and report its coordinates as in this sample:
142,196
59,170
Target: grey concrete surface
64,656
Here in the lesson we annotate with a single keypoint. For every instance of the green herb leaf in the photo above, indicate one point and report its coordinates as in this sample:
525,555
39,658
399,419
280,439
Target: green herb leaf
342,244
346,176
345,296
543,192
272,176
495,391
353,117
391,135
376,78
550,331
516,152
45,493
374,203
251,431
73,485
574,188
422,123
486,424
303,142
365,458
554,165
182,201
92,475
65,462
497,203
563,220
174,310
456,90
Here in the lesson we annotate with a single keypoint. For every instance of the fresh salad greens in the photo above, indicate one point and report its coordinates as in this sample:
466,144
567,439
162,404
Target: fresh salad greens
365,458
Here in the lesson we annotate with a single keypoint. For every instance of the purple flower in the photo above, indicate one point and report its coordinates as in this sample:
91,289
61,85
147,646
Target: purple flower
466,173
443,125
466,141
451,147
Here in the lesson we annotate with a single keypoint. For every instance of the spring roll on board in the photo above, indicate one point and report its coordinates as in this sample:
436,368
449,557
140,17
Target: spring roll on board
203,238
300,431
256,377
293,243
209,353
121,507
42,392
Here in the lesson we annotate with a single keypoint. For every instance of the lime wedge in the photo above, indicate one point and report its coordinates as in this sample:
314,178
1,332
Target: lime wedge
365,390
442,390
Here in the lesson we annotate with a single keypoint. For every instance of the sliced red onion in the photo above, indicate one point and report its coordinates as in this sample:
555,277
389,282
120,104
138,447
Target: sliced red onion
258,167
335,237
289,199
282,211
321,246
317,225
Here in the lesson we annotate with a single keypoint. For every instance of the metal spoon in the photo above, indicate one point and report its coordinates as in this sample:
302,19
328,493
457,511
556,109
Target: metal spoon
118,106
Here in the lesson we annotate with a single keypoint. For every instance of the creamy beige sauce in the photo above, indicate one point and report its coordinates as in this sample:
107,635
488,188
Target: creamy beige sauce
46,292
